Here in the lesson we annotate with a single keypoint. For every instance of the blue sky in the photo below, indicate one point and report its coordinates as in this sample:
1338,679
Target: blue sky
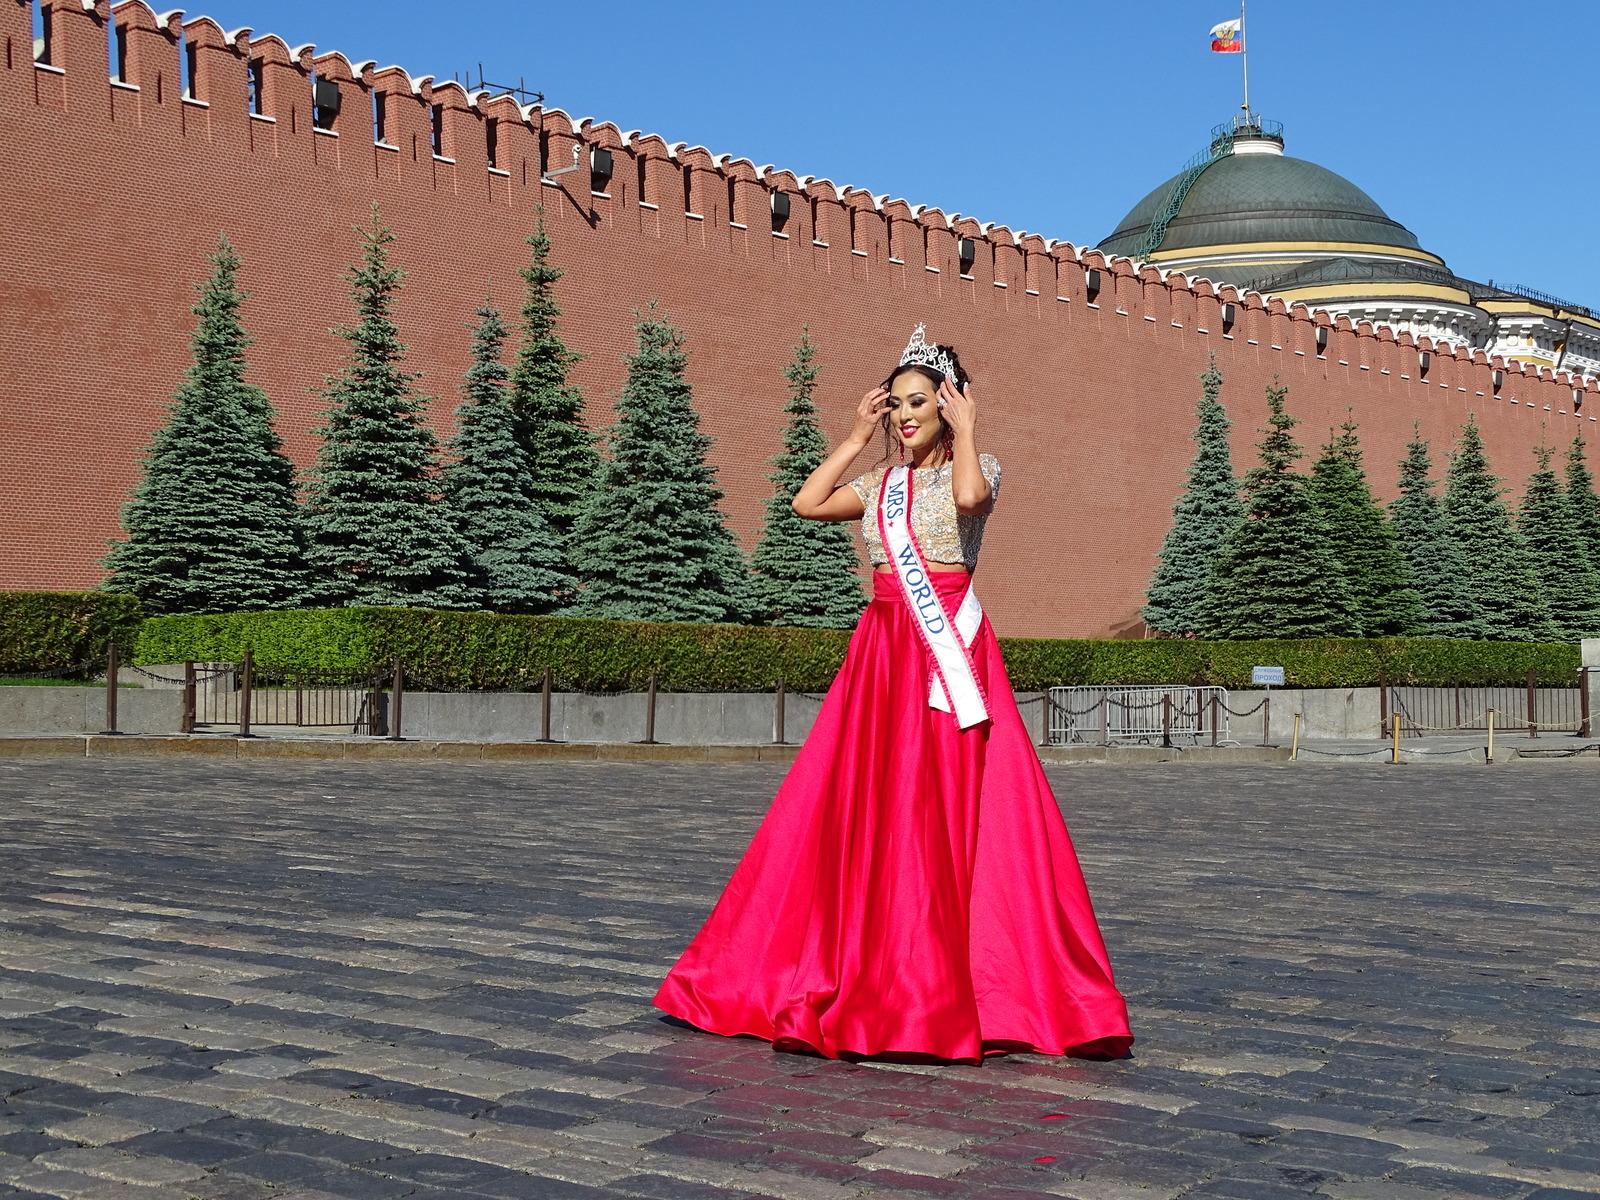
1471,123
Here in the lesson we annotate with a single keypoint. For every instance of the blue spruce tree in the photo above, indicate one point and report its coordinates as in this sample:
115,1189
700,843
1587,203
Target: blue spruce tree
376,530
1561,563
1276,577
1499,570
517,564
1433,560
1202,521
549,410
1581,498
1386,605
213,525
807,571
650,543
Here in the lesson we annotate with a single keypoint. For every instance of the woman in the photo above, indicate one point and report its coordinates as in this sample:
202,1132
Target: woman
913,892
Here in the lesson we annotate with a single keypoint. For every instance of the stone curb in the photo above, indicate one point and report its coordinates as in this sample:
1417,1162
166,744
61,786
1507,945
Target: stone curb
139,746
79,745
1129,755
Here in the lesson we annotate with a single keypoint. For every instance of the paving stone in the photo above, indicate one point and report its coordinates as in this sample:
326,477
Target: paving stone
96,1130
662,1187
121,1168
29,1144
908,1161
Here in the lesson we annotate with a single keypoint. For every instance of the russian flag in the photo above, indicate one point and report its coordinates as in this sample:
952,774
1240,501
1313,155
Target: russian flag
1225,37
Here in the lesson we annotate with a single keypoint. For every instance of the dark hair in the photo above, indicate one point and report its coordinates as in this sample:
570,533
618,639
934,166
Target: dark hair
932,376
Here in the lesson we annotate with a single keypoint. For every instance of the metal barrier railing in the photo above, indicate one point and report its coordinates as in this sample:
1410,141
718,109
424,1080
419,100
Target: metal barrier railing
1168,715
246,694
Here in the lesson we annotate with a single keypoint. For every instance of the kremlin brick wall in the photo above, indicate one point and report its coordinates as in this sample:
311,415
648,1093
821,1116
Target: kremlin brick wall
117,189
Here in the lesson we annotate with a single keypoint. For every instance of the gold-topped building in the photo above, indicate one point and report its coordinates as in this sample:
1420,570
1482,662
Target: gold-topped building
1245,213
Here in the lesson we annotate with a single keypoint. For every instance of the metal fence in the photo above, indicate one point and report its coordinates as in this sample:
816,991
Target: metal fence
245,694
1140,715
1466,708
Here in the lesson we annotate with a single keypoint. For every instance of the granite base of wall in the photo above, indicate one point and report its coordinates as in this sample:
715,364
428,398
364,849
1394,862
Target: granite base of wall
688,719
83,710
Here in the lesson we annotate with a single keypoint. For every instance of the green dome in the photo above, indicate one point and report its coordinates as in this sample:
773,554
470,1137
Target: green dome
1253,198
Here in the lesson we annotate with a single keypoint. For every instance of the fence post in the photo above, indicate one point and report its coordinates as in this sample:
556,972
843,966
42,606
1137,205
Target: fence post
544,708
1488,751
1383,707
1266,720
650,712
1533,727
186,722
1166,719
397,696
1105,718
1044,715
1583,702
1215,723
247,683
113,667
777,715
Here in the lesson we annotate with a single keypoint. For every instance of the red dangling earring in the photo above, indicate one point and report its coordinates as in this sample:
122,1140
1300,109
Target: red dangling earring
902,452
948,441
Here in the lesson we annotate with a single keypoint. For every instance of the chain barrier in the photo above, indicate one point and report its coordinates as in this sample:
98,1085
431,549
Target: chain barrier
199,676
92,667
1557,751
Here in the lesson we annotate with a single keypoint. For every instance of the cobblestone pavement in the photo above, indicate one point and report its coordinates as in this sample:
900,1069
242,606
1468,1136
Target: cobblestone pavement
255,979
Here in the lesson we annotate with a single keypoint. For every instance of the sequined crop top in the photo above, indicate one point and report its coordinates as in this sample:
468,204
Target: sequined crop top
945,535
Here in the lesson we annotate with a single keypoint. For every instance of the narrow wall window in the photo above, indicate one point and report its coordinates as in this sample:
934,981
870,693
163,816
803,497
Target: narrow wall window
816,220
41,33
641,162
491,140
380,116
544,153
258,87
119,52
688,188
191,60
733,202
326,101
438,130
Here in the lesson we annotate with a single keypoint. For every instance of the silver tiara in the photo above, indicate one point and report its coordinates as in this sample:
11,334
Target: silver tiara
919,354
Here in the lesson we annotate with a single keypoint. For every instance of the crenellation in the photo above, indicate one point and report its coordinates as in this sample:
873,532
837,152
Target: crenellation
78,62
152,51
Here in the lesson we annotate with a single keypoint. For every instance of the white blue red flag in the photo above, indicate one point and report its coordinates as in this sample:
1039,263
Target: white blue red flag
1227,37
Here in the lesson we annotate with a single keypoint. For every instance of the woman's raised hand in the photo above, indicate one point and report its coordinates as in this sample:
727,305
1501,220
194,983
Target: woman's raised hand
868,414
957,408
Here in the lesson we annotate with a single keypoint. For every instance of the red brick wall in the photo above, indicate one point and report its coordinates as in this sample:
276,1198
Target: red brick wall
114,195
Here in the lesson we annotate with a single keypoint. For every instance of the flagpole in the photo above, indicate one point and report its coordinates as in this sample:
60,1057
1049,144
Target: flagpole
1244,57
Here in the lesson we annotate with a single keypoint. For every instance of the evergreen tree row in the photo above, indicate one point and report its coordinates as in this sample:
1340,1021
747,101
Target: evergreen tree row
1285,553
519,512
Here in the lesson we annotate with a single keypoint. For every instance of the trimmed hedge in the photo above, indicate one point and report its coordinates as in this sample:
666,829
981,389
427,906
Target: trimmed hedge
459,649
1307,663
51,631
489,650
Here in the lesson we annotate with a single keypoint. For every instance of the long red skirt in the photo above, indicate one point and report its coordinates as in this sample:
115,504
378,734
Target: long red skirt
912,891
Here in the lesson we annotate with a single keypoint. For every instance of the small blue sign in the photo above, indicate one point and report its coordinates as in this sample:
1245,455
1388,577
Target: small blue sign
1269,676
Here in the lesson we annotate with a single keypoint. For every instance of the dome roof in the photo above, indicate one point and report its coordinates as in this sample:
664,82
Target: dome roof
1254,198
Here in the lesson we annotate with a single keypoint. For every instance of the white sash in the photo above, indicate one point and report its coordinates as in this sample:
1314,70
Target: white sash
955,686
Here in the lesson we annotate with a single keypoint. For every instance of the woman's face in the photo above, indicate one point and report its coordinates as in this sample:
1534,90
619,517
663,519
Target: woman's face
914,410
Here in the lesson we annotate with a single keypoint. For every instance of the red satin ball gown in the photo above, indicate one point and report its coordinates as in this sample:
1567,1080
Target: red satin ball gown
912,892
